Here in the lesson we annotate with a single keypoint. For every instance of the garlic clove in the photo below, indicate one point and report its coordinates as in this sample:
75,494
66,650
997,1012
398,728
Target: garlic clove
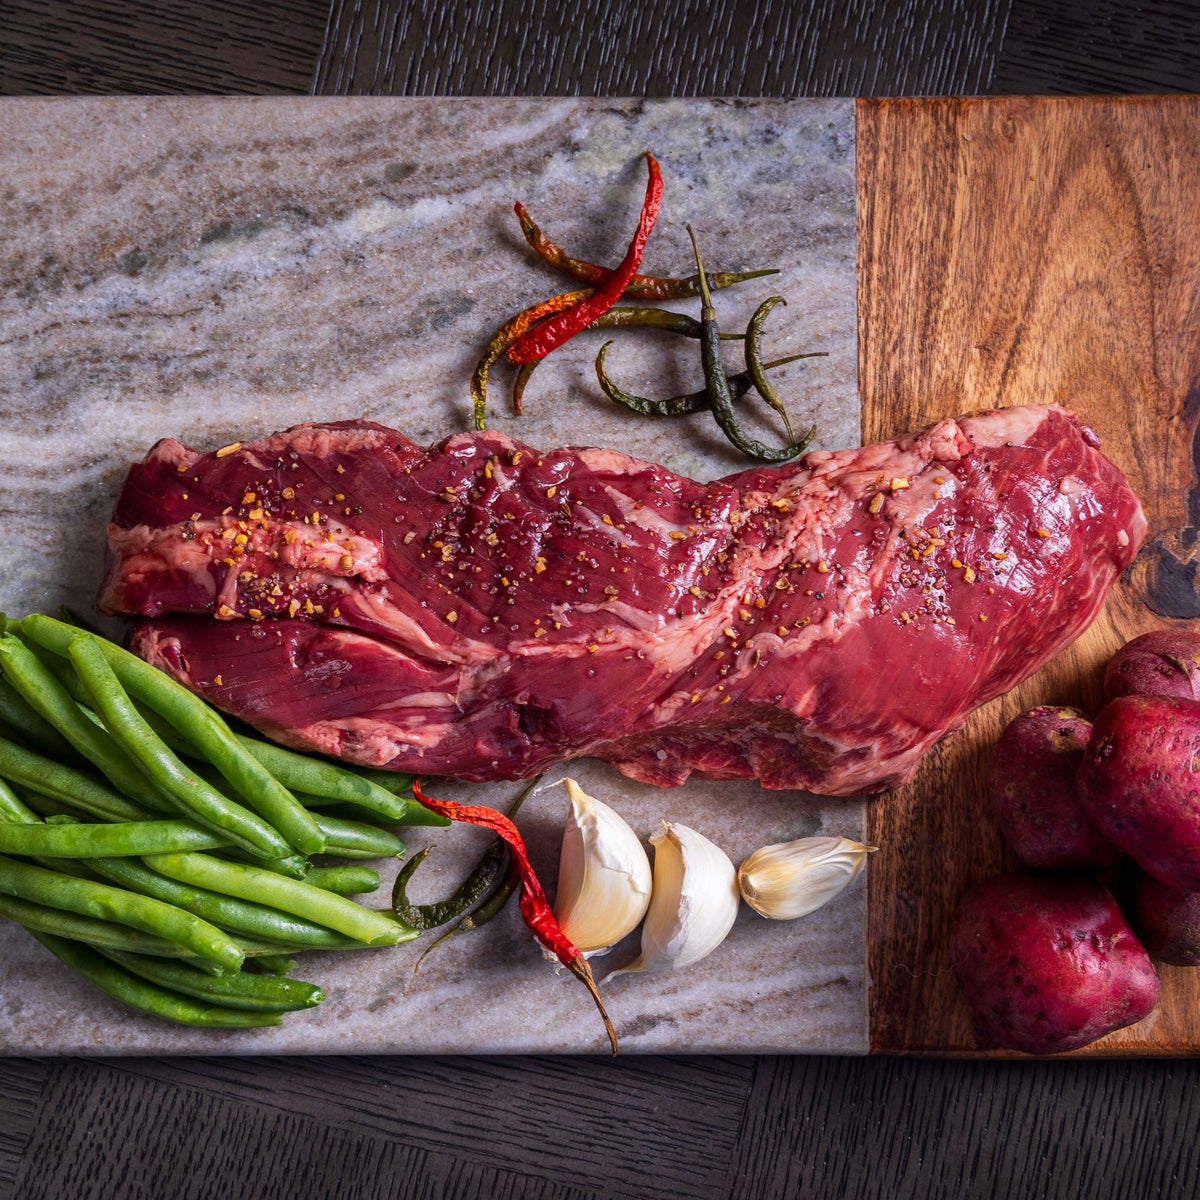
791,879
603,875
693,904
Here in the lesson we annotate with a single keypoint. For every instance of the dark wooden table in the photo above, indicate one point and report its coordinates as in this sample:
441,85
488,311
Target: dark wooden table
567,1128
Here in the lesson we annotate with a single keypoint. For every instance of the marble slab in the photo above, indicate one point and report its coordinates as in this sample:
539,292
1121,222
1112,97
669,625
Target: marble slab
217,269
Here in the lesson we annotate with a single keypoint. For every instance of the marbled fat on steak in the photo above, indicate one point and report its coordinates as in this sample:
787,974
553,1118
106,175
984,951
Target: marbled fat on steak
483,609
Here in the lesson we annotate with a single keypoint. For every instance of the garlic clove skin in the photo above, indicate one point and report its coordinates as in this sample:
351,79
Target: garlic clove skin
792,879
604,875
693,904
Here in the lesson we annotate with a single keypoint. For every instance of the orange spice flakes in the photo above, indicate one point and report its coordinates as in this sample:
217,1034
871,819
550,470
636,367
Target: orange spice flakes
876,503
219,680
225,451
225,612
899,483
1043,532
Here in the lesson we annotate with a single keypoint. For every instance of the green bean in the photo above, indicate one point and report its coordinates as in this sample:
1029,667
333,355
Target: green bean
148,997
201,725
106,935
198,799
243,917
251,883
254,993
56,890
357,839
47,696
13,808
348,880
90,841
60,782
47,809
316,777
276,964
294,866
33,728
85,929
398,782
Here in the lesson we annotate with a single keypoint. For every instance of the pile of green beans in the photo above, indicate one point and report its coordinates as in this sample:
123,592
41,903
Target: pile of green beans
167,858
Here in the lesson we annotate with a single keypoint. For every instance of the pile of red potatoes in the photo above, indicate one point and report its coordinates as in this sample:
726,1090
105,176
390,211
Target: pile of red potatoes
1050,962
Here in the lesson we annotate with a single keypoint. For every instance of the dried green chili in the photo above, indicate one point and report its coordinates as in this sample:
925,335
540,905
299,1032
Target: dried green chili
469,892
720,397
620,317
678,406
646,287
490,908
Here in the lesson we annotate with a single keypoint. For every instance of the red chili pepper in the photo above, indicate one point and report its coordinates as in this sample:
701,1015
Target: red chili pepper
535,908
551,334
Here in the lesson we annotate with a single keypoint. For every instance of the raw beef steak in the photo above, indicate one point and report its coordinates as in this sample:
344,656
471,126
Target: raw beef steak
483,609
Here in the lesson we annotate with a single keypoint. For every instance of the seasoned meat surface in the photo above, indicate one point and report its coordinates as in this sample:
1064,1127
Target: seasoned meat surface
482,609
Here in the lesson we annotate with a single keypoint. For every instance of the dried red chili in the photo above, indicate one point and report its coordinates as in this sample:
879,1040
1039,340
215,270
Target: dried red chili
535,908
646,287
551,334
506,335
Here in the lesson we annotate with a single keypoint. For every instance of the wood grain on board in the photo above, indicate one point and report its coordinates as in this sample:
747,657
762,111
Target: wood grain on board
1027,250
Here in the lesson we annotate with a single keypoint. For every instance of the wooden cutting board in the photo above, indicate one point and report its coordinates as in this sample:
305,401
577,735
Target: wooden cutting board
1017,251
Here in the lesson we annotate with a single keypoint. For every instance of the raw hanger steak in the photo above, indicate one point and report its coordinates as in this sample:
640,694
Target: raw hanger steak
483,609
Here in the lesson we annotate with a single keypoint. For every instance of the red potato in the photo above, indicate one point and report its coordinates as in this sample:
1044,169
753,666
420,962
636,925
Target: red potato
1049,965
1139,784
1163,663
1167,921
1031,781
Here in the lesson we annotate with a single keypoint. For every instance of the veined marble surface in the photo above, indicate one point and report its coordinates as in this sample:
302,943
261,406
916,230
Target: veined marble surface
218,269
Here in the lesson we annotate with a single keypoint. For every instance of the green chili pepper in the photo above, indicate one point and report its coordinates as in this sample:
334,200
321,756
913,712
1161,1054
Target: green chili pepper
490,908
720,397
677,406
650,287
470,891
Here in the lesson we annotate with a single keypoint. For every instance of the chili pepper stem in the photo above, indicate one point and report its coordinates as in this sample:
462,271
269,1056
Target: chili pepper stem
578,966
